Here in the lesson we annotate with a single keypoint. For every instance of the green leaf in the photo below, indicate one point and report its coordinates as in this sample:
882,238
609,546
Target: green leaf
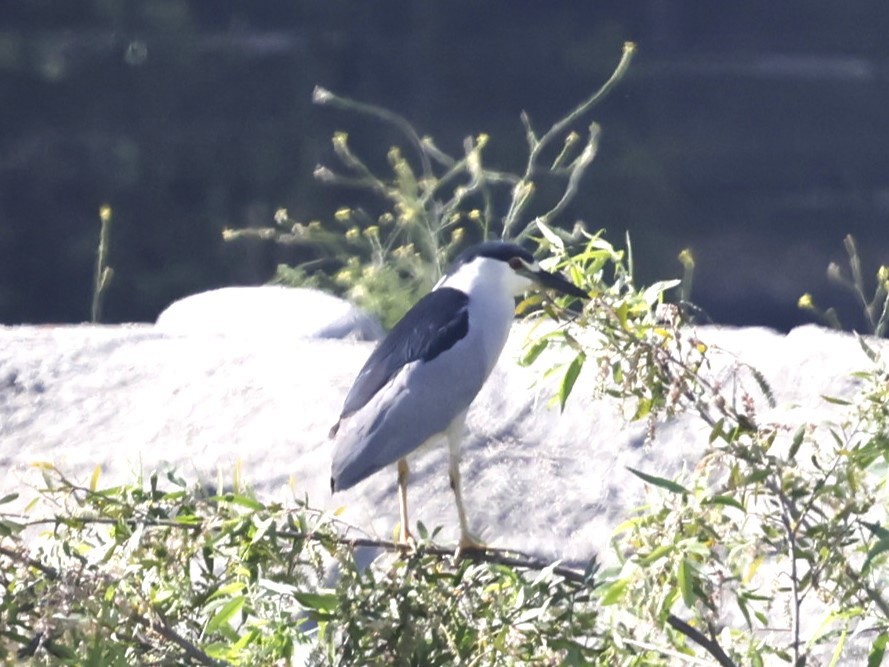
835,400
668,484
613,592
262,527
881,546
277,587
534,351
838,651
742,605
571,341
717,432
867,349
764,385
728,501
552,238
656,554
652,294
685,578
529,302
877,650
9,497
9,528
798,438
319,601
754,477
188,520
226,613
228,589
249,637
621,311
239,499
570,378
643,409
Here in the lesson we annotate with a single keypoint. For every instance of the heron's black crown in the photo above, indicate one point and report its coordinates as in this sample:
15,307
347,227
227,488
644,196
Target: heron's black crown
495,250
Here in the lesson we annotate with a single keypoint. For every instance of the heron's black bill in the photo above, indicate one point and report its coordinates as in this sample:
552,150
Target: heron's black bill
558,283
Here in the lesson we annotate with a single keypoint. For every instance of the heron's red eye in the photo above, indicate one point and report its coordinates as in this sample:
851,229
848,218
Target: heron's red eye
516,263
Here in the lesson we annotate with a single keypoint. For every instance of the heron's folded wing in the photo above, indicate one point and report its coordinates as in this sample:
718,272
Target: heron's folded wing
433,325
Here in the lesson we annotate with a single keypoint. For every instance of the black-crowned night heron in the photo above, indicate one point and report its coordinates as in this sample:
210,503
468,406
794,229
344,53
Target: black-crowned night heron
419,381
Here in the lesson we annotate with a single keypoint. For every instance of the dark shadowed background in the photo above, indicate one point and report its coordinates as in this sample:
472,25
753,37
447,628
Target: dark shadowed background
756,133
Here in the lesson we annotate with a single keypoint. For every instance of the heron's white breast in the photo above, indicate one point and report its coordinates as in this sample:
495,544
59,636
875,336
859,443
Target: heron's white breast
491,285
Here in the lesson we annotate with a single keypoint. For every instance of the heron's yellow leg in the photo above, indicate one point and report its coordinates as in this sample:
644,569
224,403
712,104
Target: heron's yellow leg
467,539
404,533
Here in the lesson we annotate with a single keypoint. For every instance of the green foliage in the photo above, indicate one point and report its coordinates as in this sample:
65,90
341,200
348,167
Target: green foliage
385,261
159,573
450,613
777,520
632,338
874,308
373,269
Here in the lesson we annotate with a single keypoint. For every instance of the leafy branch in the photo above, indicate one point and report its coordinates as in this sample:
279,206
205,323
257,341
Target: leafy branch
119,530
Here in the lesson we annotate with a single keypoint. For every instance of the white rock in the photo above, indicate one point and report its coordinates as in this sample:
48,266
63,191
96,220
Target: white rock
269,310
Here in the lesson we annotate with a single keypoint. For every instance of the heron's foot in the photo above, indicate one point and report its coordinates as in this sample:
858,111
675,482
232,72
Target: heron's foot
469,542
406,538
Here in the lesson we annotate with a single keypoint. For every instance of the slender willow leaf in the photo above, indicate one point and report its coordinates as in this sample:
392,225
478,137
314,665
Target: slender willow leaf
667,484
320,601
239,499
877,650
880,547
838,651
570,378
534,351
685,578
798,438
614,592
867,349
226,613
547,232
656,554
728,501
835,400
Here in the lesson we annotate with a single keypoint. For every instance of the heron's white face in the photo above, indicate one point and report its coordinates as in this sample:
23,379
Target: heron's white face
506,274
488,274
520,279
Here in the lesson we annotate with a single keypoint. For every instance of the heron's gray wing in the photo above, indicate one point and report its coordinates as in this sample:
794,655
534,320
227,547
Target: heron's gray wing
433,325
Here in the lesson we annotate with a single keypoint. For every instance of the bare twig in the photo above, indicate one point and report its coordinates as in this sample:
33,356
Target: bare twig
324,96
575,174
20,557
162,628
789,524
104,273
507,557
710,645
523,189
872,594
